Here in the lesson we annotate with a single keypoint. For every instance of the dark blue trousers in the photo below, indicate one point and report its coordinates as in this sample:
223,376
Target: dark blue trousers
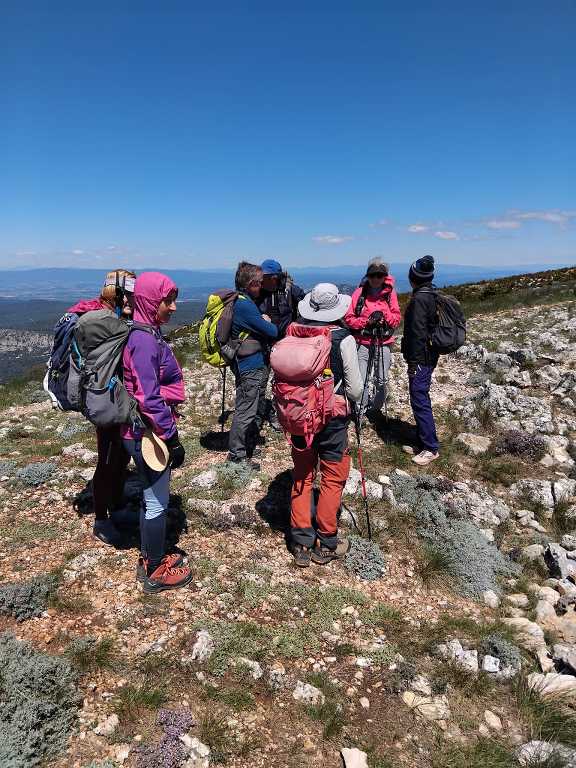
419,384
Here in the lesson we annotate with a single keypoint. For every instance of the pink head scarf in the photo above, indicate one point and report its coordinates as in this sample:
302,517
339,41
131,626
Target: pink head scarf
150,290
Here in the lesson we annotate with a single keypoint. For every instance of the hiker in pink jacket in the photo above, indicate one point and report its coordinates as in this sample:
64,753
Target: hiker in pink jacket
372,316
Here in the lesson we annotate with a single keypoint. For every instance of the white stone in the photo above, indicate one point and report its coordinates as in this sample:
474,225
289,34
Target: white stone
308,694
203,647
518,600
198,753
533,552
422,685
365,703
492,720
254,667
474,444
354,758
469,661
552,683
205,479
490,664
108,726
490,598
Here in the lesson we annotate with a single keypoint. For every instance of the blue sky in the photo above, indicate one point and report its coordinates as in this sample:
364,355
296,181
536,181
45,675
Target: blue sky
173,134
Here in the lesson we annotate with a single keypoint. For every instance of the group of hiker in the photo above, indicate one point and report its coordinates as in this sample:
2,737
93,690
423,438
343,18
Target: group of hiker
327,350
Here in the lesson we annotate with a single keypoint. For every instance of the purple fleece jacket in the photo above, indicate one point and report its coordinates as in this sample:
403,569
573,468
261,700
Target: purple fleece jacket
151,372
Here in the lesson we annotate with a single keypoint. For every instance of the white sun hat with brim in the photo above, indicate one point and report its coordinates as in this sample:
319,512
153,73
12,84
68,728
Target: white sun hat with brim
324,304
154,451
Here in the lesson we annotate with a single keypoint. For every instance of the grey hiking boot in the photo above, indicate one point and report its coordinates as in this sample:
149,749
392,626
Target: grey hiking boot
322,555
106,531
301,556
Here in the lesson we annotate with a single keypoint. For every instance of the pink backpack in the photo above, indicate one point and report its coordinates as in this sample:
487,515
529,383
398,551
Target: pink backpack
304,394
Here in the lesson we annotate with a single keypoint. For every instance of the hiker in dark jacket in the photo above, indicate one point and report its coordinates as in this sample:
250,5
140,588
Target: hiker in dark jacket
419,322
109,476
249,365
278,300
325,306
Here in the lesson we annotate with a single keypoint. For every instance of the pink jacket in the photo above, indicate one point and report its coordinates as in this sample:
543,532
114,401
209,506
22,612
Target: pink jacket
386,302
151,372
87,305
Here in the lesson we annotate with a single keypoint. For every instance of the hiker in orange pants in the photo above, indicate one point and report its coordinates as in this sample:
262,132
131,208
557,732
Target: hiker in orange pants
334,474
321,312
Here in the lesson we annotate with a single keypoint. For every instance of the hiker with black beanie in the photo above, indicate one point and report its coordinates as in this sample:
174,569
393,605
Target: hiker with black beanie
419,323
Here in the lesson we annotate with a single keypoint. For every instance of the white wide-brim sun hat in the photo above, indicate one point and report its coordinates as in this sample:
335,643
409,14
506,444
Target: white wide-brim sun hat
154,451
324,304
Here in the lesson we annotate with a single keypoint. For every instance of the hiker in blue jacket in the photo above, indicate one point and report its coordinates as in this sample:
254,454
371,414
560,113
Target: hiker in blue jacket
278,300
256,332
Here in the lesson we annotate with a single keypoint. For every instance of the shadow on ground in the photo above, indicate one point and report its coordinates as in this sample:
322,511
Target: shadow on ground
394,431
215,441
127,517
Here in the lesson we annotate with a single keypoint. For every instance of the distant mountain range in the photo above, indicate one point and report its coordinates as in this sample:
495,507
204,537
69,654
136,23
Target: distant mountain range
67,285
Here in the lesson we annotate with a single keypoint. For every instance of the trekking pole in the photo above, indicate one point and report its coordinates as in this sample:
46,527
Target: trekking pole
223,399
358,427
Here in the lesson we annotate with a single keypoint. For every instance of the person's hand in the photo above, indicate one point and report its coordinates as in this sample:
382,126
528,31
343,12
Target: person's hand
267,318
376,318
176,452
412,369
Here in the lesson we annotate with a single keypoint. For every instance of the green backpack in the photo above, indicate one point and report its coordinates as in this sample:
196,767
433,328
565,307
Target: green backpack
216,346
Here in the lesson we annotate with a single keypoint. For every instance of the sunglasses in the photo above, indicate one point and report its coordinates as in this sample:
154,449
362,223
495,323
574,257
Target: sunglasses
377,274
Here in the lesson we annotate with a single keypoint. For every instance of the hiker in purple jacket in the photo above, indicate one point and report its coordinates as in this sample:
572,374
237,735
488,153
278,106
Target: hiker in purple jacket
153,377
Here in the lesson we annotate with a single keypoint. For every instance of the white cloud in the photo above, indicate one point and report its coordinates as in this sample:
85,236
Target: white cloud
446,235
332,239
503,224
381,223
78,252
553,216
418,228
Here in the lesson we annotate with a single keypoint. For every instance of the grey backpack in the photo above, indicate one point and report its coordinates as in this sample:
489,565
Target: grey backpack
95,386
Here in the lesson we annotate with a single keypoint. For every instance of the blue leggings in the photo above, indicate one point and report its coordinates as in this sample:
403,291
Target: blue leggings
156,497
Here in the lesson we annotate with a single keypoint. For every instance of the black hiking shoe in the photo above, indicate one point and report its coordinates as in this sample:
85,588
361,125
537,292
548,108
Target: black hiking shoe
301,556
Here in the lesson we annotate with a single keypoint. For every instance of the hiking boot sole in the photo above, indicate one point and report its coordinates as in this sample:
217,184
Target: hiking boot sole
152,588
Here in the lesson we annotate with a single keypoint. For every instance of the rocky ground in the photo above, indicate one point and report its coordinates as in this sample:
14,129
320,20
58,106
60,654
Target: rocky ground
462,653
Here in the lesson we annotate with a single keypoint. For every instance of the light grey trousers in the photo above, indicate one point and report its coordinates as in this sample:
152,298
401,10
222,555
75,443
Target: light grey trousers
375,391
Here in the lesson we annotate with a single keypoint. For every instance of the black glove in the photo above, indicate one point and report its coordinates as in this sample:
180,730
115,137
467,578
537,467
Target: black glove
176,452
412,369
375,319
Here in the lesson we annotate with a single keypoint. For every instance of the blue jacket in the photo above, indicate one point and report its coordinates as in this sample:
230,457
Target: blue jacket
247,317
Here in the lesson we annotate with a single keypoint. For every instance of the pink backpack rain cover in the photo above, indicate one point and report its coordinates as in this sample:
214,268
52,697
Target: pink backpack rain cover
304,397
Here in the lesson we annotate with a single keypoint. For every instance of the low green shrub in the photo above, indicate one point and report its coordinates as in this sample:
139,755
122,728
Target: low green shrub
39,704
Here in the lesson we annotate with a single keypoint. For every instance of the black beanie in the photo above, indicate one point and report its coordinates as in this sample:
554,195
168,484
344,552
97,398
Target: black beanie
422,270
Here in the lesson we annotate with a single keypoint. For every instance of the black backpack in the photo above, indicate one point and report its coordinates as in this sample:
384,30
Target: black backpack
449,333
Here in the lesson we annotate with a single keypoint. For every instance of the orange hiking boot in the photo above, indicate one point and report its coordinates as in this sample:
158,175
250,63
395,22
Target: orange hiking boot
172,561
166,578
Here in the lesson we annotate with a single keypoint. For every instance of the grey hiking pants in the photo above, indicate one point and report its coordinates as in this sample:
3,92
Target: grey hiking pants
244,423
375,392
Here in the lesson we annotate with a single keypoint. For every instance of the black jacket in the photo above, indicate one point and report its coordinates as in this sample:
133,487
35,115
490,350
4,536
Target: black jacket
281,305
419,322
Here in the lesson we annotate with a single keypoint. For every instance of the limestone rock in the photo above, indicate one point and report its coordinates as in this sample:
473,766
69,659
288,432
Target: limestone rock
476,445
557,562
492,720
354,758
491,664
308,694
207,479
491,599
203,647
565,655
552,683
108,726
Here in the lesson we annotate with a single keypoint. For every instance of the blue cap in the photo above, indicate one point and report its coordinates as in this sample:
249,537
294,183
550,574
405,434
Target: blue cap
271,267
